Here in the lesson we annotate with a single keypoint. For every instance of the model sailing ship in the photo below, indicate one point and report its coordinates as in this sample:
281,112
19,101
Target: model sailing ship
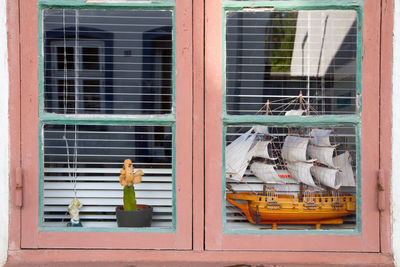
309,158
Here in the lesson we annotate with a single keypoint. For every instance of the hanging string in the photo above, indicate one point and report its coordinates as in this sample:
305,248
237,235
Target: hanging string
308,56
65,84
65,91
71,174
76,47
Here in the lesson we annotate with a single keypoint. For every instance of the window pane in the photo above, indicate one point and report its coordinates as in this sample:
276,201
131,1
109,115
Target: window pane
90,58
273,56
296,177
84,161
91,96
66,101
128,53
65,58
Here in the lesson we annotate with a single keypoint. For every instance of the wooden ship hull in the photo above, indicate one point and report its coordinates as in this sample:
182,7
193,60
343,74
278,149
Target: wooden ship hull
277,209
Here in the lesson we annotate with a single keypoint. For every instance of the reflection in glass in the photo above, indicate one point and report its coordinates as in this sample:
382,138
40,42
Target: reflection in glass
90,58
125,56
274,56
66,100
86,160
290,177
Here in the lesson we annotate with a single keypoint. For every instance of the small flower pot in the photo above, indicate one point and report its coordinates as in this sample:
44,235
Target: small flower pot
134,218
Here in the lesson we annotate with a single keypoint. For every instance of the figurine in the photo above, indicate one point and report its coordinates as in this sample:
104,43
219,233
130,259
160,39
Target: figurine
73,210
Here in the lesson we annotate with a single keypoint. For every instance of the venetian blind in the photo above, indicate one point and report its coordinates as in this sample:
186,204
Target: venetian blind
106,62
275,55
84,161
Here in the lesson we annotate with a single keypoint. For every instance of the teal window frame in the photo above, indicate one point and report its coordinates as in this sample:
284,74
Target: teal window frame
322,120
122,120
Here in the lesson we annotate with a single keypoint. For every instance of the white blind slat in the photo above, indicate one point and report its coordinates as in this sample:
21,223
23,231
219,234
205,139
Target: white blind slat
105,170
107,179
106,186
106,194
109,201
103,217
107,224
62,209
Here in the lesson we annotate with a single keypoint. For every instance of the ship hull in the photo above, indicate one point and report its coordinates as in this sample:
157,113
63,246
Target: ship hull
286,209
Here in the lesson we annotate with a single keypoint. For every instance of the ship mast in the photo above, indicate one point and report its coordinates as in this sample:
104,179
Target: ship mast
266,114
301,189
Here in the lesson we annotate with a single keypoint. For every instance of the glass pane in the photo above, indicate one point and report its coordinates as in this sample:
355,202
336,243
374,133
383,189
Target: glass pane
126,54
84,161
274,56
290,177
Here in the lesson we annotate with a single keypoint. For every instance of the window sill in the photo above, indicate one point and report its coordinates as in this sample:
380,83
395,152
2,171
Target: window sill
194,258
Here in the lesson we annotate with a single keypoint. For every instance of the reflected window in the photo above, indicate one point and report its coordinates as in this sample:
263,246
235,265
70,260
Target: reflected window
128,52
91,96
90,58
65,58
66,95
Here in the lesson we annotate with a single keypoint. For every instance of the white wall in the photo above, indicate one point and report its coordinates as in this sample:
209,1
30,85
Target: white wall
4,164
396,139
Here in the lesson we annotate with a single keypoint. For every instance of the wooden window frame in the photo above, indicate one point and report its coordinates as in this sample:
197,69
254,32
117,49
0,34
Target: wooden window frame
366,235
201,92
35,236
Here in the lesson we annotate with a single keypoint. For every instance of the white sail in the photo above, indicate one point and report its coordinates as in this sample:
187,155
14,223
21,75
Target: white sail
346,175
320,137
261,129
294,149
265,173
326,176
294,112
301,172
322,154
261,150
237,155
